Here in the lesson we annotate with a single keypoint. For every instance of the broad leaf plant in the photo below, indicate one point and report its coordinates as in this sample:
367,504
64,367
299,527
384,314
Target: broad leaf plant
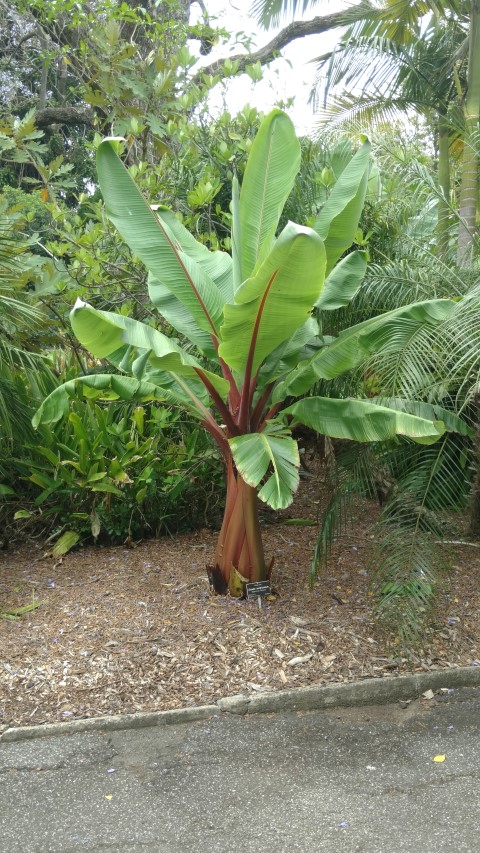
251,343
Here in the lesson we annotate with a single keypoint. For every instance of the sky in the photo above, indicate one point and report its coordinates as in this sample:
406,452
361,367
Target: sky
287,77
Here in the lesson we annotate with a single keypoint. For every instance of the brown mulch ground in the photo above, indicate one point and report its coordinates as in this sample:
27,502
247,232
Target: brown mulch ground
124,630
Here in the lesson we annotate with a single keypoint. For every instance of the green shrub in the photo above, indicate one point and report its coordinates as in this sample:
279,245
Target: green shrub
114,471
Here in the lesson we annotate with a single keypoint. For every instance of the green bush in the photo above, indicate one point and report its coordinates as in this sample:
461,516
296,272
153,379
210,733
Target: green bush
114,471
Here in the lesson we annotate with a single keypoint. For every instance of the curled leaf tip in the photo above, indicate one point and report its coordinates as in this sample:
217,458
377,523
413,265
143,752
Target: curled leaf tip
79,303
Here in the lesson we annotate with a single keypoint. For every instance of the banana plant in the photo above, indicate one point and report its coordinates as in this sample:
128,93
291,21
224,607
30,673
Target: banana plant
250,318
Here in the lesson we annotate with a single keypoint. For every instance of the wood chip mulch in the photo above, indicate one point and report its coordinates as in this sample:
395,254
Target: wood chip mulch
122,630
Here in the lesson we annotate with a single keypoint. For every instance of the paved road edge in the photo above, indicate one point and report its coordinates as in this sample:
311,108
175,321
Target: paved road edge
371,691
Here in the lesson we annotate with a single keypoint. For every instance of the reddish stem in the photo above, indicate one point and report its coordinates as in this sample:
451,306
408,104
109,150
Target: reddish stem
240,541
219,437
260,406
247,391
268,417
229,506
221,406
234,395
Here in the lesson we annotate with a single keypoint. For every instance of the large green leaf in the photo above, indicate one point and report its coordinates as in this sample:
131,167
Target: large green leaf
431,411
354,345
218,265
103,387
177,389
271,169
253,454
153,242
179,317
236,235
104,333
343,282
289,353
276,301
359,420
337,222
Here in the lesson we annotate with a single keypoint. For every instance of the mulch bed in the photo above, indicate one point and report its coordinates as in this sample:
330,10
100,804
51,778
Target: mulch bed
121,630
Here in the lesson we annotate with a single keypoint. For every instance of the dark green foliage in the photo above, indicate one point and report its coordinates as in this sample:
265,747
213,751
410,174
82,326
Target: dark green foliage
118,471
35,216
420,491
407,583
24,374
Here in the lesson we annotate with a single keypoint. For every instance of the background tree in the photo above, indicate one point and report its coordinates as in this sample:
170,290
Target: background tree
391,21
421,73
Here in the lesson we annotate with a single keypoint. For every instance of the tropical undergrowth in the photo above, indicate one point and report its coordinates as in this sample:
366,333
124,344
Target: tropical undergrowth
424,492
113,472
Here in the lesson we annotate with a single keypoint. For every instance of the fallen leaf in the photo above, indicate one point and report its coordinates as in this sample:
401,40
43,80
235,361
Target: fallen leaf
429,694
303,659
108,796
65,543
439,759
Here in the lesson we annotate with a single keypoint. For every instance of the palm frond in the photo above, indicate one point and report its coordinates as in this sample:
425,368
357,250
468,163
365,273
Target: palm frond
16,411
406,582
431,364
354,472
410,558
269,13
353,114
23,371
390,64
418,487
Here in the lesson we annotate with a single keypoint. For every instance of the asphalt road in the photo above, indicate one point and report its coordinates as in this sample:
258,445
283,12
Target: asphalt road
338,781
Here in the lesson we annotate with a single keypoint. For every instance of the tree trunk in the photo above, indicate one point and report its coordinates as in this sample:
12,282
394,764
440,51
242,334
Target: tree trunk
42,94
444,210
474,525
239,556
469,179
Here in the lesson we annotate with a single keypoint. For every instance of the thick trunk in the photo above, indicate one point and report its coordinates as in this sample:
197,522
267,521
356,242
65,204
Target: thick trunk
474,525
42,94
469,180
239,555
443,226
468,199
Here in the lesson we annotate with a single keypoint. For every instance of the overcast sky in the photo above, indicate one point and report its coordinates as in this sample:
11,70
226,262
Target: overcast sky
285,78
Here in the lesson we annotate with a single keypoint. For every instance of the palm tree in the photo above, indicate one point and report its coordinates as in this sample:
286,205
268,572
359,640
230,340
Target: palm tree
470,165
418,73
421,489
24,374
397,21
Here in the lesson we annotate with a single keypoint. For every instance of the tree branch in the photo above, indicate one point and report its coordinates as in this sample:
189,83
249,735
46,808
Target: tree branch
62,115
270,51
